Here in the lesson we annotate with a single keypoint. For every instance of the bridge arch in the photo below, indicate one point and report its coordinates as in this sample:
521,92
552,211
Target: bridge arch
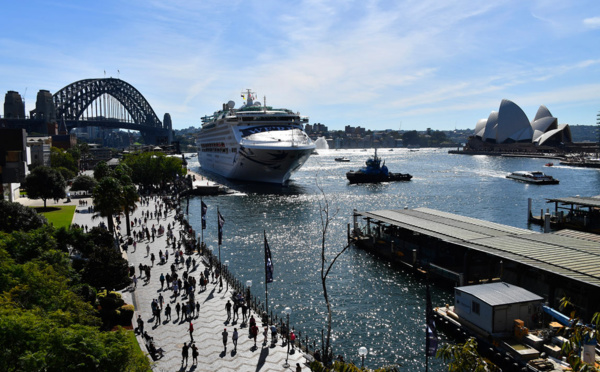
72,100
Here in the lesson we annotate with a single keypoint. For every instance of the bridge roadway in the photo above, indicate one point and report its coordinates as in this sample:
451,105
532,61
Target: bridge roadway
170,335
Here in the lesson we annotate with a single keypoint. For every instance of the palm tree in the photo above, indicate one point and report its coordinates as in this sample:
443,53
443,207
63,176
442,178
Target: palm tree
129,198
107,199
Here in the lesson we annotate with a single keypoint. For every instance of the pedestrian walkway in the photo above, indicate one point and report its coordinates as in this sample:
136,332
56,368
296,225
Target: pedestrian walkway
170,335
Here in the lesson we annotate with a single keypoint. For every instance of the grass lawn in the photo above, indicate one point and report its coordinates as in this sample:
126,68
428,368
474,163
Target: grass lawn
58,216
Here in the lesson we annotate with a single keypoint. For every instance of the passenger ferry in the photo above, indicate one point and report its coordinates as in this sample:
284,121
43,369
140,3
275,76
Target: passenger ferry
535,177
255,142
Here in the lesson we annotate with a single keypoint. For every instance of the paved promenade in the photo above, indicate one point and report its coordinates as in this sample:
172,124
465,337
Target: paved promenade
208,325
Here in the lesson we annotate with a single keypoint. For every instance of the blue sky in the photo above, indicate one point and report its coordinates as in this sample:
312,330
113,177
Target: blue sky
377,64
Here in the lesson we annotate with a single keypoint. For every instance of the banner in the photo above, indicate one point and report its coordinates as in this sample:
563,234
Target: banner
268,262
204,209
221,222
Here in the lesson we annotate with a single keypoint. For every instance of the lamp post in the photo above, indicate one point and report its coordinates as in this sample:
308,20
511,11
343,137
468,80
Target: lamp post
198,243
362,351
287,311
248,285
226,266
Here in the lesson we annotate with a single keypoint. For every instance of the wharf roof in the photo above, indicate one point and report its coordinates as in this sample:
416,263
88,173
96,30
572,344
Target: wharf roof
497,294
593,201
568,253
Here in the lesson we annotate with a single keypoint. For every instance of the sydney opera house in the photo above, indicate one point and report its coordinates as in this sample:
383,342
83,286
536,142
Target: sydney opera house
509,129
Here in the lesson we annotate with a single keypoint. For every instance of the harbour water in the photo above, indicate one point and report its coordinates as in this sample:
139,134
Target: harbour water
375,304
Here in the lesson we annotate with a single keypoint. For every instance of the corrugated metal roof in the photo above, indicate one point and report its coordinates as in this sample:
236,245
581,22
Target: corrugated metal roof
496,294
593,201
568,253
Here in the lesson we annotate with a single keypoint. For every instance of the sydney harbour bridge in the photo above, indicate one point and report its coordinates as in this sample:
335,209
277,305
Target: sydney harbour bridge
108,103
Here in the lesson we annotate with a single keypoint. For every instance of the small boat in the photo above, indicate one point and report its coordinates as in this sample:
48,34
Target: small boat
375,172
343,159
549,164
535,177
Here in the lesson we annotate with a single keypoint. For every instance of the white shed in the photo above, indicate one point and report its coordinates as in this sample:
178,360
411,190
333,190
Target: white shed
493,307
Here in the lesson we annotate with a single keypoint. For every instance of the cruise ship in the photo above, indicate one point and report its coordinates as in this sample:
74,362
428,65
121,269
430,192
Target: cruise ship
255,142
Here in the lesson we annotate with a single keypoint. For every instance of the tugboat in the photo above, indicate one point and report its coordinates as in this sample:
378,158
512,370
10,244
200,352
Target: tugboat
375,172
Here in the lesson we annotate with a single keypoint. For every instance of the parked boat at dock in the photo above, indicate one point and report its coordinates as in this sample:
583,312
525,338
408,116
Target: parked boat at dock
535,177
375,172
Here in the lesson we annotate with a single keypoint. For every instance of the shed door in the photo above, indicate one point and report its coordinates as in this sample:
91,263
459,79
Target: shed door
499,320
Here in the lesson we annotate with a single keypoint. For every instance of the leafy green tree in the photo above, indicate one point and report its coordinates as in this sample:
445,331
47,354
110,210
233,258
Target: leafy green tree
580,334
465,358
26,246
410,138
129,198
15,216
102,170
61,158
66,173
45,183
107,201
106,268
84,183
153,168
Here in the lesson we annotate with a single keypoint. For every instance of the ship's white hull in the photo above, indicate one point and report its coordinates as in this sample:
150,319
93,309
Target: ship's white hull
267,156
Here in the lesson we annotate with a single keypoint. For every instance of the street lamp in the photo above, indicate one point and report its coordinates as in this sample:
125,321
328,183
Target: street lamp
362,351
248,285
287,311
226,265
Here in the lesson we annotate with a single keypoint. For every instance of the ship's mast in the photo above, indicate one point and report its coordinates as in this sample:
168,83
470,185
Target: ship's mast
248,93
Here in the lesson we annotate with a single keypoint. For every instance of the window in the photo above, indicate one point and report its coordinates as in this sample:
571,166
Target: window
475,307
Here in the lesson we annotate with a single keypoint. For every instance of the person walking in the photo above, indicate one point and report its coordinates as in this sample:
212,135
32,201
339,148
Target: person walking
140,323
225,335
292,339
168,312
162,280
184,354
194,354
177,309
191,329
298,368
254,333
228,309
134,282
161,300
234,338
265,332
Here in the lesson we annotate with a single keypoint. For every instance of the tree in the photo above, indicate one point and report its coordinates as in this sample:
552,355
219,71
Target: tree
45,183
61,158
129,198
107,200
326,268
580,335
410,138
14,216
106,268
66,173
102,170
465,358
84,183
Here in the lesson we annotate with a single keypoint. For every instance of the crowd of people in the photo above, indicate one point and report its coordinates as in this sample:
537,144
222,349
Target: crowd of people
182,277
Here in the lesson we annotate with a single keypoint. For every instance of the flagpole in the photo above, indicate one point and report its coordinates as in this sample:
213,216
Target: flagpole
426,330
266,277
220,272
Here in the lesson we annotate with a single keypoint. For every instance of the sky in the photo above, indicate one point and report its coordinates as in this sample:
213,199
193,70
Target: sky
407,65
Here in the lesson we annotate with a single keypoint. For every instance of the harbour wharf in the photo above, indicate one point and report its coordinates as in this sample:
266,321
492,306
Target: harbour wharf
575,212
459,250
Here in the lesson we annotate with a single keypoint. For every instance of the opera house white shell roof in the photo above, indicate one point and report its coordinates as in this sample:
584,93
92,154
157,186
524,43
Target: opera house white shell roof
510,124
